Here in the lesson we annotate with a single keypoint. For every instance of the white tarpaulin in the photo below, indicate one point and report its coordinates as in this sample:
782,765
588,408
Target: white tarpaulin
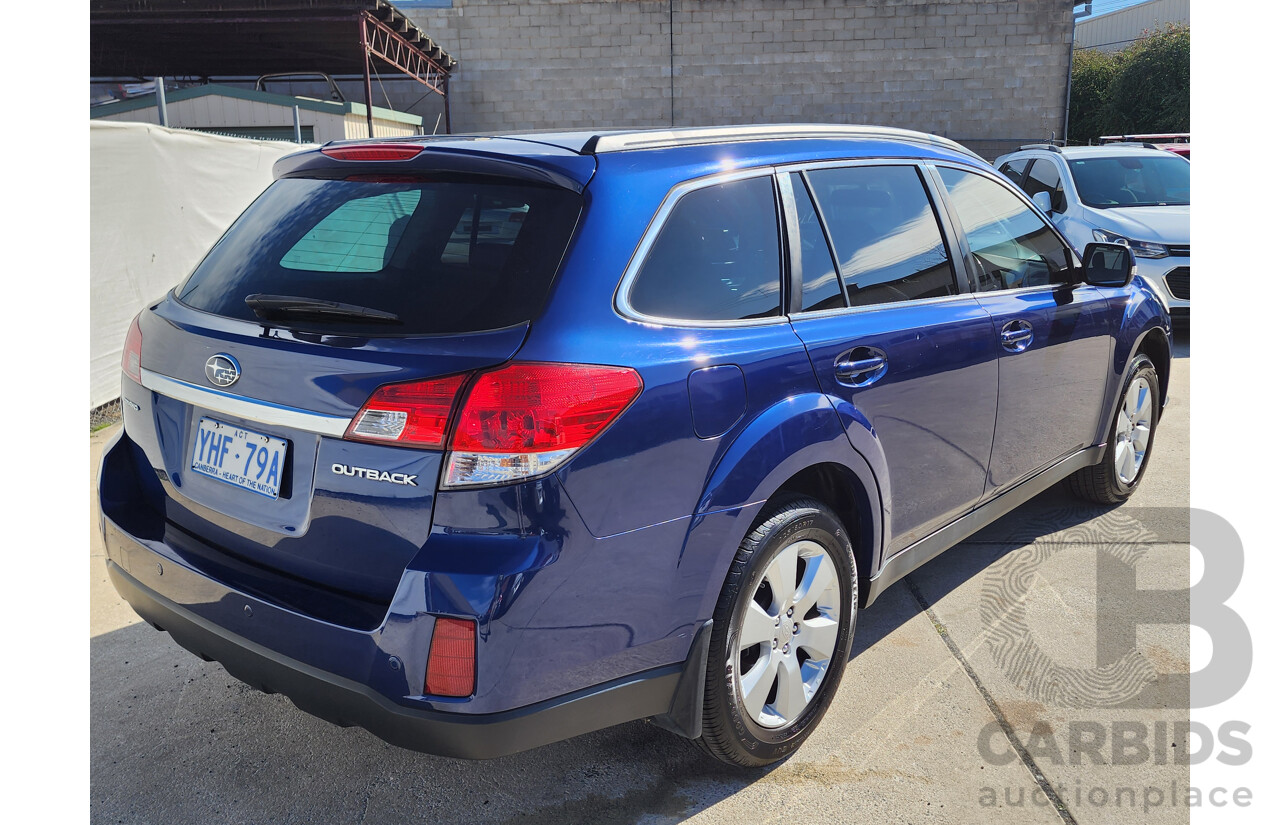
159,198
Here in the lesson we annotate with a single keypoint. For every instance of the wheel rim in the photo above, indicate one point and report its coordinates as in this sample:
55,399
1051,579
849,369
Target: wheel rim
1133,431
787,635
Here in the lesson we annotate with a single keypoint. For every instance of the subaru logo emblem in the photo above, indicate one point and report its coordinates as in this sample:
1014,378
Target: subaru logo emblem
222,370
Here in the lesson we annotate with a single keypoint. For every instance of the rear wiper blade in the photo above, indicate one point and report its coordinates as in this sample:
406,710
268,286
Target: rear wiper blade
275,306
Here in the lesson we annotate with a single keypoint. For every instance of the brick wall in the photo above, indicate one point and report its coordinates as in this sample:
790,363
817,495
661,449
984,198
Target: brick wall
980,72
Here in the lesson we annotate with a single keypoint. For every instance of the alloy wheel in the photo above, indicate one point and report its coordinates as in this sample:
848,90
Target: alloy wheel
1133,431
787,635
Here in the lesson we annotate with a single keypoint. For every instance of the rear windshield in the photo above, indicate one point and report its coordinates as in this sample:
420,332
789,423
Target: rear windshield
442,257
1130,180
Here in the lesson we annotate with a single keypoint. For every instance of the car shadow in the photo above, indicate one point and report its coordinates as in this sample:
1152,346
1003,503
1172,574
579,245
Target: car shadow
176,739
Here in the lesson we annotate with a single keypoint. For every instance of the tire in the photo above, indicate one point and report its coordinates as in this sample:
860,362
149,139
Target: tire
756,658
1137,414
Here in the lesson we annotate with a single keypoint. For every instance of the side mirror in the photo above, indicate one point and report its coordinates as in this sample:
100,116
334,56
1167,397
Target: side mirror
1043,202
1109,264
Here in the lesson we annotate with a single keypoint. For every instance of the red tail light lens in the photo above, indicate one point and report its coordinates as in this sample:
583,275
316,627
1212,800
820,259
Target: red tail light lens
131,363
373,151
412,414
526,419
451,664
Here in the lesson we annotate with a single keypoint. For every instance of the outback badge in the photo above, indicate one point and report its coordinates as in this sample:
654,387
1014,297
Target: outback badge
375,475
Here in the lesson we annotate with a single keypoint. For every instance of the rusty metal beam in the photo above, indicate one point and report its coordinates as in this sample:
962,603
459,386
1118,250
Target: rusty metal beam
368,85
381,41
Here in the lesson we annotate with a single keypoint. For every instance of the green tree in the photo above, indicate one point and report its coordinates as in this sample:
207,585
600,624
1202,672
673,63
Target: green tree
1091,74
1144,88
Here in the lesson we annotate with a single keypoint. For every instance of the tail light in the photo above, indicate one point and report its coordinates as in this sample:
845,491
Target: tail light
516,422
412,414
131,362
451,664
373,151
524,420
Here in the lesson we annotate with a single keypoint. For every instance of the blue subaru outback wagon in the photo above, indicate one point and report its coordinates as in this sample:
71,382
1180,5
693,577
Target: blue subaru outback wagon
484,442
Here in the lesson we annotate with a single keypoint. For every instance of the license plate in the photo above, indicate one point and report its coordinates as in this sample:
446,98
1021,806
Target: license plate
241,457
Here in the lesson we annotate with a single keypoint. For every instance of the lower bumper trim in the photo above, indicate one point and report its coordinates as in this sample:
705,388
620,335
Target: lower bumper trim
348,703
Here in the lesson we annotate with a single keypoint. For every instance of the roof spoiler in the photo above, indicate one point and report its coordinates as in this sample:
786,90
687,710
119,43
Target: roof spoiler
314,163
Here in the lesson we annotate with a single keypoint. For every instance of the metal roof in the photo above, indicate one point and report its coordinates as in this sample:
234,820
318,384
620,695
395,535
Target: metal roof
332,107
245,38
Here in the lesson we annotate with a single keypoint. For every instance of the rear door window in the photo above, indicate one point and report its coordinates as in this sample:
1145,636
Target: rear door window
442,257
1013,169
716,258
885,232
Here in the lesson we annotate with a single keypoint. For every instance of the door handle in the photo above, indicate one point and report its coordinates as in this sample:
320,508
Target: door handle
1016,336
861,366
848,368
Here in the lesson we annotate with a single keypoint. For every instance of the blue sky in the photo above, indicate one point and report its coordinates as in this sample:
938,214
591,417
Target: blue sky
1104,6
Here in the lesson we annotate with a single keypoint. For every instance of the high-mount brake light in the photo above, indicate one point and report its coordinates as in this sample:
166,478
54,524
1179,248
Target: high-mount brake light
409,414
527,419
388,178
373,151
131,363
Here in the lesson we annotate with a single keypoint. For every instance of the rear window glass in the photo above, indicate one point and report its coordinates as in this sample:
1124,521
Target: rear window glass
442,257
716,258
358,236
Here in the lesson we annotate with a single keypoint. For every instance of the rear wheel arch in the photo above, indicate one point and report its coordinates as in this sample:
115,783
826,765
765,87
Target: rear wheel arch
820,462
839,488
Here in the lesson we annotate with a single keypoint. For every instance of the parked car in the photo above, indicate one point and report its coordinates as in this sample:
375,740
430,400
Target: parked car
1135,195
641,448
1177,142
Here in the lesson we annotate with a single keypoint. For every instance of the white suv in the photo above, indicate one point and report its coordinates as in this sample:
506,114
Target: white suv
1120,193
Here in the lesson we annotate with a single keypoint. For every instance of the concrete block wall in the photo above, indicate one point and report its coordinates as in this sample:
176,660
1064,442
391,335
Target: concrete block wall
986,73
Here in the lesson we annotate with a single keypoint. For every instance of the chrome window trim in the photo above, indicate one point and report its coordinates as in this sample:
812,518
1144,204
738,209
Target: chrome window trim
622,295
858,310
1023,290
842,163
263,412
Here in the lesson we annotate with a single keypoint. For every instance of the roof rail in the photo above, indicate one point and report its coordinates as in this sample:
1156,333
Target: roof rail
1047,146
608,142
1130,143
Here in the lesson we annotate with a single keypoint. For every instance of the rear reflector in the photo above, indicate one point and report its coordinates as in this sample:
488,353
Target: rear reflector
451,665
412,414
131,362
373,151
525,419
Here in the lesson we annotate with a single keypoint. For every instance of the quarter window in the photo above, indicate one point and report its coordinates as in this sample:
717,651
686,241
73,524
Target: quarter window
821,284
885,233
716,257
1011,245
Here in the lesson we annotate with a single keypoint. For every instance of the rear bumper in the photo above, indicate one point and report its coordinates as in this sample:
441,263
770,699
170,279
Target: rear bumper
346,702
